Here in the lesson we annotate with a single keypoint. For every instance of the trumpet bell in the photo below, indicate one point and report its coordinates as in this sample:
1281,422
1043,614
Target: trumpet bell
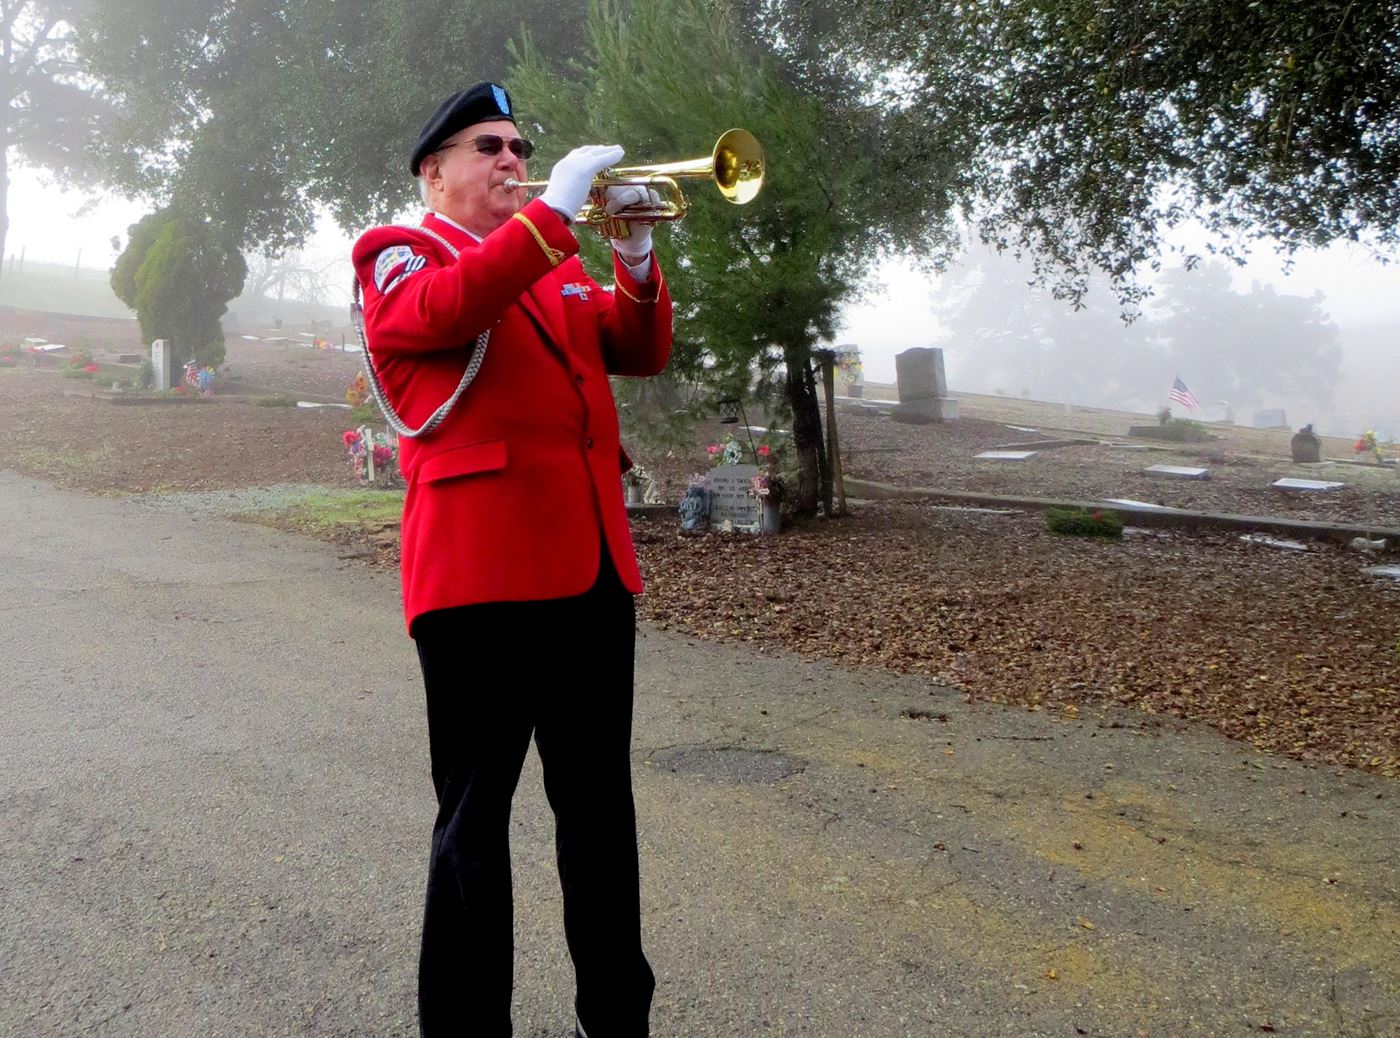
738,166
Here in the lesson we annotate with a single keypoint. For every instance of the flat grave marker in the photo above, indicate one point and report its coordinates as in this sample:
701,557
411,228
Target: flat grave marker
1005,455
1140,504
1308,485
1177,472
1273,542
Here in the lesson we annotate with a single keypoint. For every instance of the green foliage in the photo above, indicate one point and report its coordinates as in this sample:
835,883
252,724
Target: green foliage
1076,522
756,288
274,401
1099,126
260,112
1176,430
365,414
145,375
178,275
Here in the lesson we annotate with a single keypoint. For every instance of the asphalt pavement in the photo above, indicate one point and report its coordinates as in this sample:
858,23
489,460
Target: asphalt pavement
215,806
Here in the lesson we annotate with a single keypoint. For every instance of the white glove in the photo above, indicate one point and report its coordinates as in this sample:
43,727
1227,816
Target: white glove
571,179
636,245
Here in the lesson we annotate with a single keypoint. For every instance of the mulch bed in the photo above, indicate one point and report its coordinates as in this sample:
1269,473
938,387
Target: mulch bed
1295,653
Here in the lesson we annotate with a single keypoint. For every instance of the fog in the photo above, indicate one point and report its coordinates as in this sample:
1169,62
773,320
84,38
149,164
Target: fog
1318,340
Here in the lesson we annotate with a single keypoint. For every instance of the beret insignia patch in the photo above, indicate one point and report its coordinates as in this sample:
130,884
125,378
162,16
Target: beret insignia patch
501,100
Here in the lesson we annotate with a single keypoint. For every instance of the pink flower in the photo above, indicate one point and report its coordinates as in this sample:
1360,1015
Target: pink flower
91,369
764,450
350,437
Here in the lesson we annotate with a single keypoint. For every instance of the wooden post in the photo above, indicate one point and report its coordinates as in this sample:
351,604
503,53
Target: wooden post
833,446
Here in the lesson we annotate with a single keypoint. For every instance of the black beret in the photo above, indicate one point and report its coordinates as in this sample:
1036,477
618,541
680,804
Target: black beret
476,104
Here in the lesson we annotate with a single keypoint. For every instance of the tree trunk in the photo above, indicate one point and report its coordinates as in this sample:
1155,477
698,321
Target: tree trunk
4,203
806,429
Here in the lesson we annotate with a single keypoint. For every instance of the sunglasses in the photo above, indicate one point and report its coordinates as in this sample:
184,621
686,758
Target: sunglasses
492,143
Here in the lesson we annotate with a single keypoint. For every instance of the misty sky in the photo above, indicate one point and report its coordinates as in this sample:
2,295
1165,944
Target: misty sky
1361,293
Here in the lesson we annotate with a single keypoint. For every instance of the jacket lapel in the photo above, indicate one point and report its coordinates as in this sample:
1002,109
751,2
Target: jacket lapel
543,303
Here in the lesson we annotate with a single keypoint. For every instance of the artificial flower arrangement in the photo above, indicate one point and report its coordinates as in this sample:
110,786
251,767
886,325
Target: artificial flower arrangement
1368,444
767,484
728,451
201,380
358,392
848,362
373,457
9,354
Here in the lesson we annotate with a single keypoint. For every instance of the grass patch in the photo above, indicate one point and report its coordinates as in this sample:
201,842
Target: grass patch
61,466
1076,522
274,401
323,512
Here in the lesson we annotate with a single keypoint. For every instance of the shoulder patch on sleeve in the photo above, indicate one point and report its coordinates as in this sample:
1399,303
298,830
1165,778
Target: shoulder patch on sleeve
398,260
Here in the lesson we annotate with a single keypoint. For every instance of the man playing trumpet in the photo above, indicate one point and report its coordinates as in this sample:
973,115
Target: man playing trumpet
517,562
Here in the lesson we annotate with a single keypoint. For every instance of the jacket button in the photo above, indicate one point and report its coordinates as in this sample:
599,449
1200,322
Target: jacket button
589,443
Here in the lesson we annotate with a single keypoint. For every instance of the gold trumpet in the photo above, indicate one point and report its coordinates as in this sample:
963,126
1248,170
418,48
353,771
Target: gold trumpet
735,166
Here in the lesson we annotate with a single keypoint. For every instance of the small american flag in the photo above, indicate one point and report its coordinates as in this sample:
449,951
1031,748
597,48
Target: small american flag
1183,396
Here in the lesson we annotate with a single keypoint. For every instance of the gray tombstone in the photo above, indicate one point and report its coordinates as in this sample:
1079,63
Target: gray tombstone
1306,446
160,365
1219,411
1273,418
730,498
923,387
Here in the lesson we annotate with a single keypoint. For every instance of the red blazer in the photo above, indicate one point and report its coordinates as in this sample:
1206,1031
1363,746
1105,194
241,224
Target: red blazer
507,499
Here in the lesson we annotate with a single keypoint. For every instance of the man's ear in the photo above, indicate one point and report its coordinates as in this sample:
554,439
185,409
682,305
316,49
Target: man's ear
430,169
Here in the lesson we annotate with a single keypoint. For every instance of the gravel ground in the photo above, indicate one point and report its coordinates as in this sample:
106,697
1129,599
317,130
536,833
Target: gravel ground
89,444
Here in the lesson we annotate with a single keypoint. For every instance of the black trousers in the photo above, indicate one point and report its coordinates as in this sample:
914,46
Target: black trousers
494,674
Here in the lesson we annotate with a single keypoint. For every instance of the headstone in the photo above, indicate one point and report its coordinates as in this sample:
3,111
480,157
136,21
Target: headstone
1306,446
1312,485
160,365
923,387
1273,418
730,499
1217,412
1005,455
1177,472
921,374
1391,571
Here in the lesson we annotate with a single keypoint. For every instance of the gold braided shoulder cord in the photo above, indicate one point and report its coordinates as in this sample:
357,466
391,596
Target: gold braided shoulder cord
555,256
636,299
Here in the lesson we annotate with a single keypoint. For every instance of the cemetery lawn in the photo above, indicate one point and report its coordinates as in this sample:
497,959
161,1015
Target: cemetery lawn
1293,652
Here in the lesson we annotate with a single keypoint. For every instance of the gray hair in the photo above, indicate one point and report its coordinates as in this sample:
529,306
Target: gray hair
423,191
